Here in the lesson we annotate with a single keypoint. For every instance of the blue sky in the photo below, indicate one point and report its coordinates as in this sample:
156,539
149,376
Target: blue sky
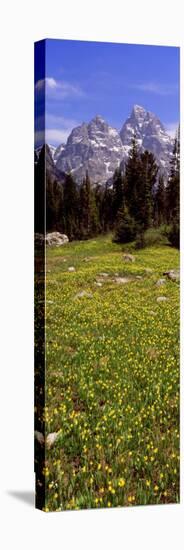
88,78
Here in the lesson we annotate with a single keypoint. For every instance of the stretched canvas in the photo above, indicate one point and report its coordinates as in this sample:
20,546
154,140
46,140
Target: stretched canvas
107,172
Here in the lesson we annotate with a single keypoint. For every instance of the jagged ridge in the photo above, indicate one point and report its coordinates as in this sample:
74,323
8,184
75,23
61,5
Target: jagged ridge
100,149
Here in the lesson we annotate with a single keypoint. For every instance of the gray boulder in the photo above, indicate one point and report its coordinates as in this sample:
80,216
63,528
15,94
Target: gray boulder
160,282
56,239
51,439
173,274
161,299
123,280
84,294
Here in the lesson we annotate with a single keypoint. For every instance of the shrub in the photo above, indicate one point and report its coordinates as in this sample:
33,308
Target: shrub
152,237
140,241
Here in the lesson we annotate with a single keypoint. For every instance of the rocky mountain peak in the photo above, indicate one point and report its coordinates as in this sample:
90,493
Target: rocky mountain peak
98,119
98,148
95,147
138,112
150,134
58,151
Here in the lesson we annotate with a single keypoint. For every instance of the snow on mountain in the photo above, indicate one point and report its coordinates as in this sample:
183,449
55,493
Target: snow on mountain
95,147
52,149
57,152
98,148
149,133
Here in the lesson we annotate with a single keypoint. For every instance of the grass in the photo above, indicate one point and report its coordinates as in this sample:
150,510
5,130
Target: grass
112,382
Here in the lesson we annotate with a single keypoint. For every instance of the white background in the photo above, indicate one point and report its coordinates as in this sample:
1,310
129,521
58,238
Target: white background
146,22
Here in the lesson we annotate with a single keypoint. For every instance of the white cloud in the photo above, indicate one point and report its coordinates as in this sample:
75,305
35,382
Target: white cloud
58,89
57,130
59,122
51,83
46,82
55,136
52,136
156,88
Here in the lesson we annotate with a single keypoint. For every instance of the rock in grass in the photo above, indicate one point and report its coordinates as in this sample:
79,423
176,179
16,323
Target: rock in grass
98,283
103,275
84,294
128,258
123,280
71,269
161,299
173,274
160,282
56,239
50,439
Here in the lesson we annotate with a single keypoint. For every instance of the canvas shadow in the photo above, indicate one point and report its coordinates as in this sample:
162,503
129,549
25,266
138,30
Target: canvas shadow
28,497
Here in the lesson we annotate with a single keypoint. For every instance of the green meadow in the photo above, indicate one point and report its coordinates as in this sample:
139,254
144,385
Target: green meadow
112,376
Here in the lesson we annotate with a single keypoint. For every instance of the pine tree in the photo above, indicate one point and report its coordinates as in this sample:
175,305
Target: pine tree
173,194
125,229
94,215
160,203
83,207
99,194
136,194
39,193
173,188
88,212
118,192
70,198
148,173
107,210
132,179
54,205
